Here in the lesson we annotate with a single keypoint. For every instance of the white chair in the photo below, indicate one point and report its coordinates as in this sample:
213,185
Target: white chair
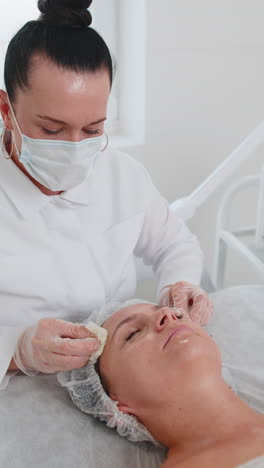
253,250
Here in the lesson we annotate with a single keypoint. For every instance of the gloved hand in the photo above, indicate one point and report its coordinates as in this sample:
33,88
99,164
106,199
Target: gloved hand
54,345
187,297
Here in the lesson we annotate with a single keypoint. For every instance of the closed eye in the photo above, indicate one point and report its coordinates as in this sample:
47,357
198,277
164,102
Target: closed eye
88,132
131,335
51,132
94,132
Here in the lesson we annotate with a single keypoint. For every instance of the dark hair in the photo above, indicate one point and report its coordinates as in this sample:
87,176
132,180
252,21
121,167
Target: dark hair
62,34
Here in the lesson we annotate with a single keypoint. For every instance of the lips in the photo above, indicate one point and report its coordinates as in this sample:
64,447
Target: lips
176,330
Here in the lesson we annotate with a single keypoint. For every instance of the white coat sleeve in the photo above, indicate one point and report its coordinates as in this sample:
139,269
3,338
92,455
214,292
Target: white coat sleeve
166,243
8,339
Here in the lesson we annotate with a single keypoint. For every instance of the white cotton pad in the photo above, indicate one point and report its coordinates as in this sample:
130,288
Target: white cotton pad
101,334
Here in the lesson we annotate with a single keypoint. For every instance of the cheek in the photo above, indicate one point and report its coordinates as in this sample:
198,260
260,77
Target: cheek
137,380
26,126
17,139
200,356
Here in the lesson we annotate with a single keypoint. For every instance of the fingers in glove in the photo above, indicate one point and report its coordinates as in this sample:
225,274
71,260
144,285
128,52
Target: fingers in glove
56,362
180,298
65,329
73,347
202,309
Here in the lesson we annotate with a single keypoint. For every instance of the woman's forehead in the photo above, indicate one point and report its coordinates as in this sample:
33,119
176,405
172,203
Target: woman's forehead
48,82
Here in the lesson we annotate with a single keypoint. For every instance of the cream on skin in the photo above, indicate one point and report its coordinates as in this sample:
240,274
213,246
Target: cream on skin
175,387
75,101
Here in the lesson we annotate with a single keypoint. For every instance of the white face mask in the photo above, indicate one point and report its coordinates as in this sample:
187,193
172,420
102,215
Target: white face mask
58,164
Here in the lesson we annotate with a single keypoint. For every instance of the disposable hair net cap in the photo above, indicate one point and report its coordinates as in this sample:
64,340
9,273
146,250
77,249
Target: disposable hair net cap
86,390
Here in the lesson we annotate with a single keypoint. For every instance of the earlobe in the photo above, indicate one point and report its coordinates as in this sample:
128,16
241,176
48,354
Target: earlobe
122,406
125,409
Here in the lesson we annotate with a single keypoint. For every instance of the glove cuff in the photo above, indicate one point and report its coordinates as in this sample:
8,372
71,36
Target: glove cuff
19,355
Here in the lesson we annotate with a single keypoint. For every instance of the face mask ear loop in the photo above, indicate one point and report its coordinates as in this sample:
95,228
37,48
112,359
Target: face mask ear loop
3,145
107,140
12,138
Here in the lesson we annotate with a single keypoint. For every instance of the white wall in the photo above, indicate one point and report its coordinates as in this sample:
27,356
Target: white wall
13,16
205,93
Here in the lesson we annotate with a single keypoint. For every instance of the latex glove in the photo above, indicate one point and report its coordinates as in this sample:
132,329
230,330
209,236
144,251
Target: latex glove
187,297
54,345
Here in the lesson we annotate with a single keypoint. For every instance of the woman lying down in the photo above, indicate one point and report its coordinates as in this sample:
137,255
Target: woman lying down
159,379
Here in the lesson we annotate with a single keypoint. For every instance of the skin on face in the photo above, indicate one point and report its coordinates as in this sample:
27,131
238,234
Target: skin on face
144,373
76,98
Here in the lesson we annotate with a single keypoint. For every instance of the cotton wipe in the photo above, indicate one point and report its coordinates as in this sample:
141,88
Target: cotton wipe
101,334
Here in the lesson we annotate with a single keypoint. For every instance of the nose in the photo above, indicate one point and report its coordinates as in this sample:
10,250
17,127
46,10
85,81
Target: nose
75,137
165,317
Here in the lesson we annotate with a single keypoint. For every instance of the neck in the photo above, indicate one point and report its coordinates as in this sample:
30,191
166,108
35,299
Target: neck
205,419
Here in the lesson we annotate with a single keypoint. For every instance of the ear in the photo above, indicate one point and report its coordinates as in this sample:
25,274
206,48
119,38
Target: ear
126,409
123,407
5,111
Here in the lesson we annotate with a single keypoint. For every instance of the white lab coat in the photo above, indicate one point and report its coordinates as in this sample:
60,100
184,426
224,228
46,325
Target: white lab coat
63,256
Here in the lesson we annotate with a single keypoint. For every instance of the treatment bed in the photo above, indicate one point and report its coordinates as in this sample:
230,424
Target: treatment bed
41,427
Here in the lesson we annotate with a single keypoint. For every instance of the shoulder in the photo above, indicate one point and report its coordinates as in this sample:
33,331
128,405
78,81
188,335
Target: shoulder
123,185
119,162
121,174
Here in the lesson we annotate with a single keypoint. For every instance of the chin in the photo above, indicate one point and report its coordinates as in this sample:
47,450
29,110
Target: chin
190,348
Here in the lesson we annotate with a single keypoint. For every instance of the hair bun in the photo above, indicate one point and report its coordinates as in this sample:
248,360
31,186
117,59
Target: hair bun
65,12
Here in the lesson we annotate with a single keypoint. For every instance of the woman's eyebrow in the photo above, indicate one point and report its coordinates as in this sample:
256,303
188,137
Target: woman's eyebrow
45,117
128,319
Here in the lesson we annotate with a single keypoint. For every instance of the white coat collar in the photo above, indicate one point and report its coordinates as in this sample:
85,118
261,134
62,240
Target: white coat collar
83,194
26,197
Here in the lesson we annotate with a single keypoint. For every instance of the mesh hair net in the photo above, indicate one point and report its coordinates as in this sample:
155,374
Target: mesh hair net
86,390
